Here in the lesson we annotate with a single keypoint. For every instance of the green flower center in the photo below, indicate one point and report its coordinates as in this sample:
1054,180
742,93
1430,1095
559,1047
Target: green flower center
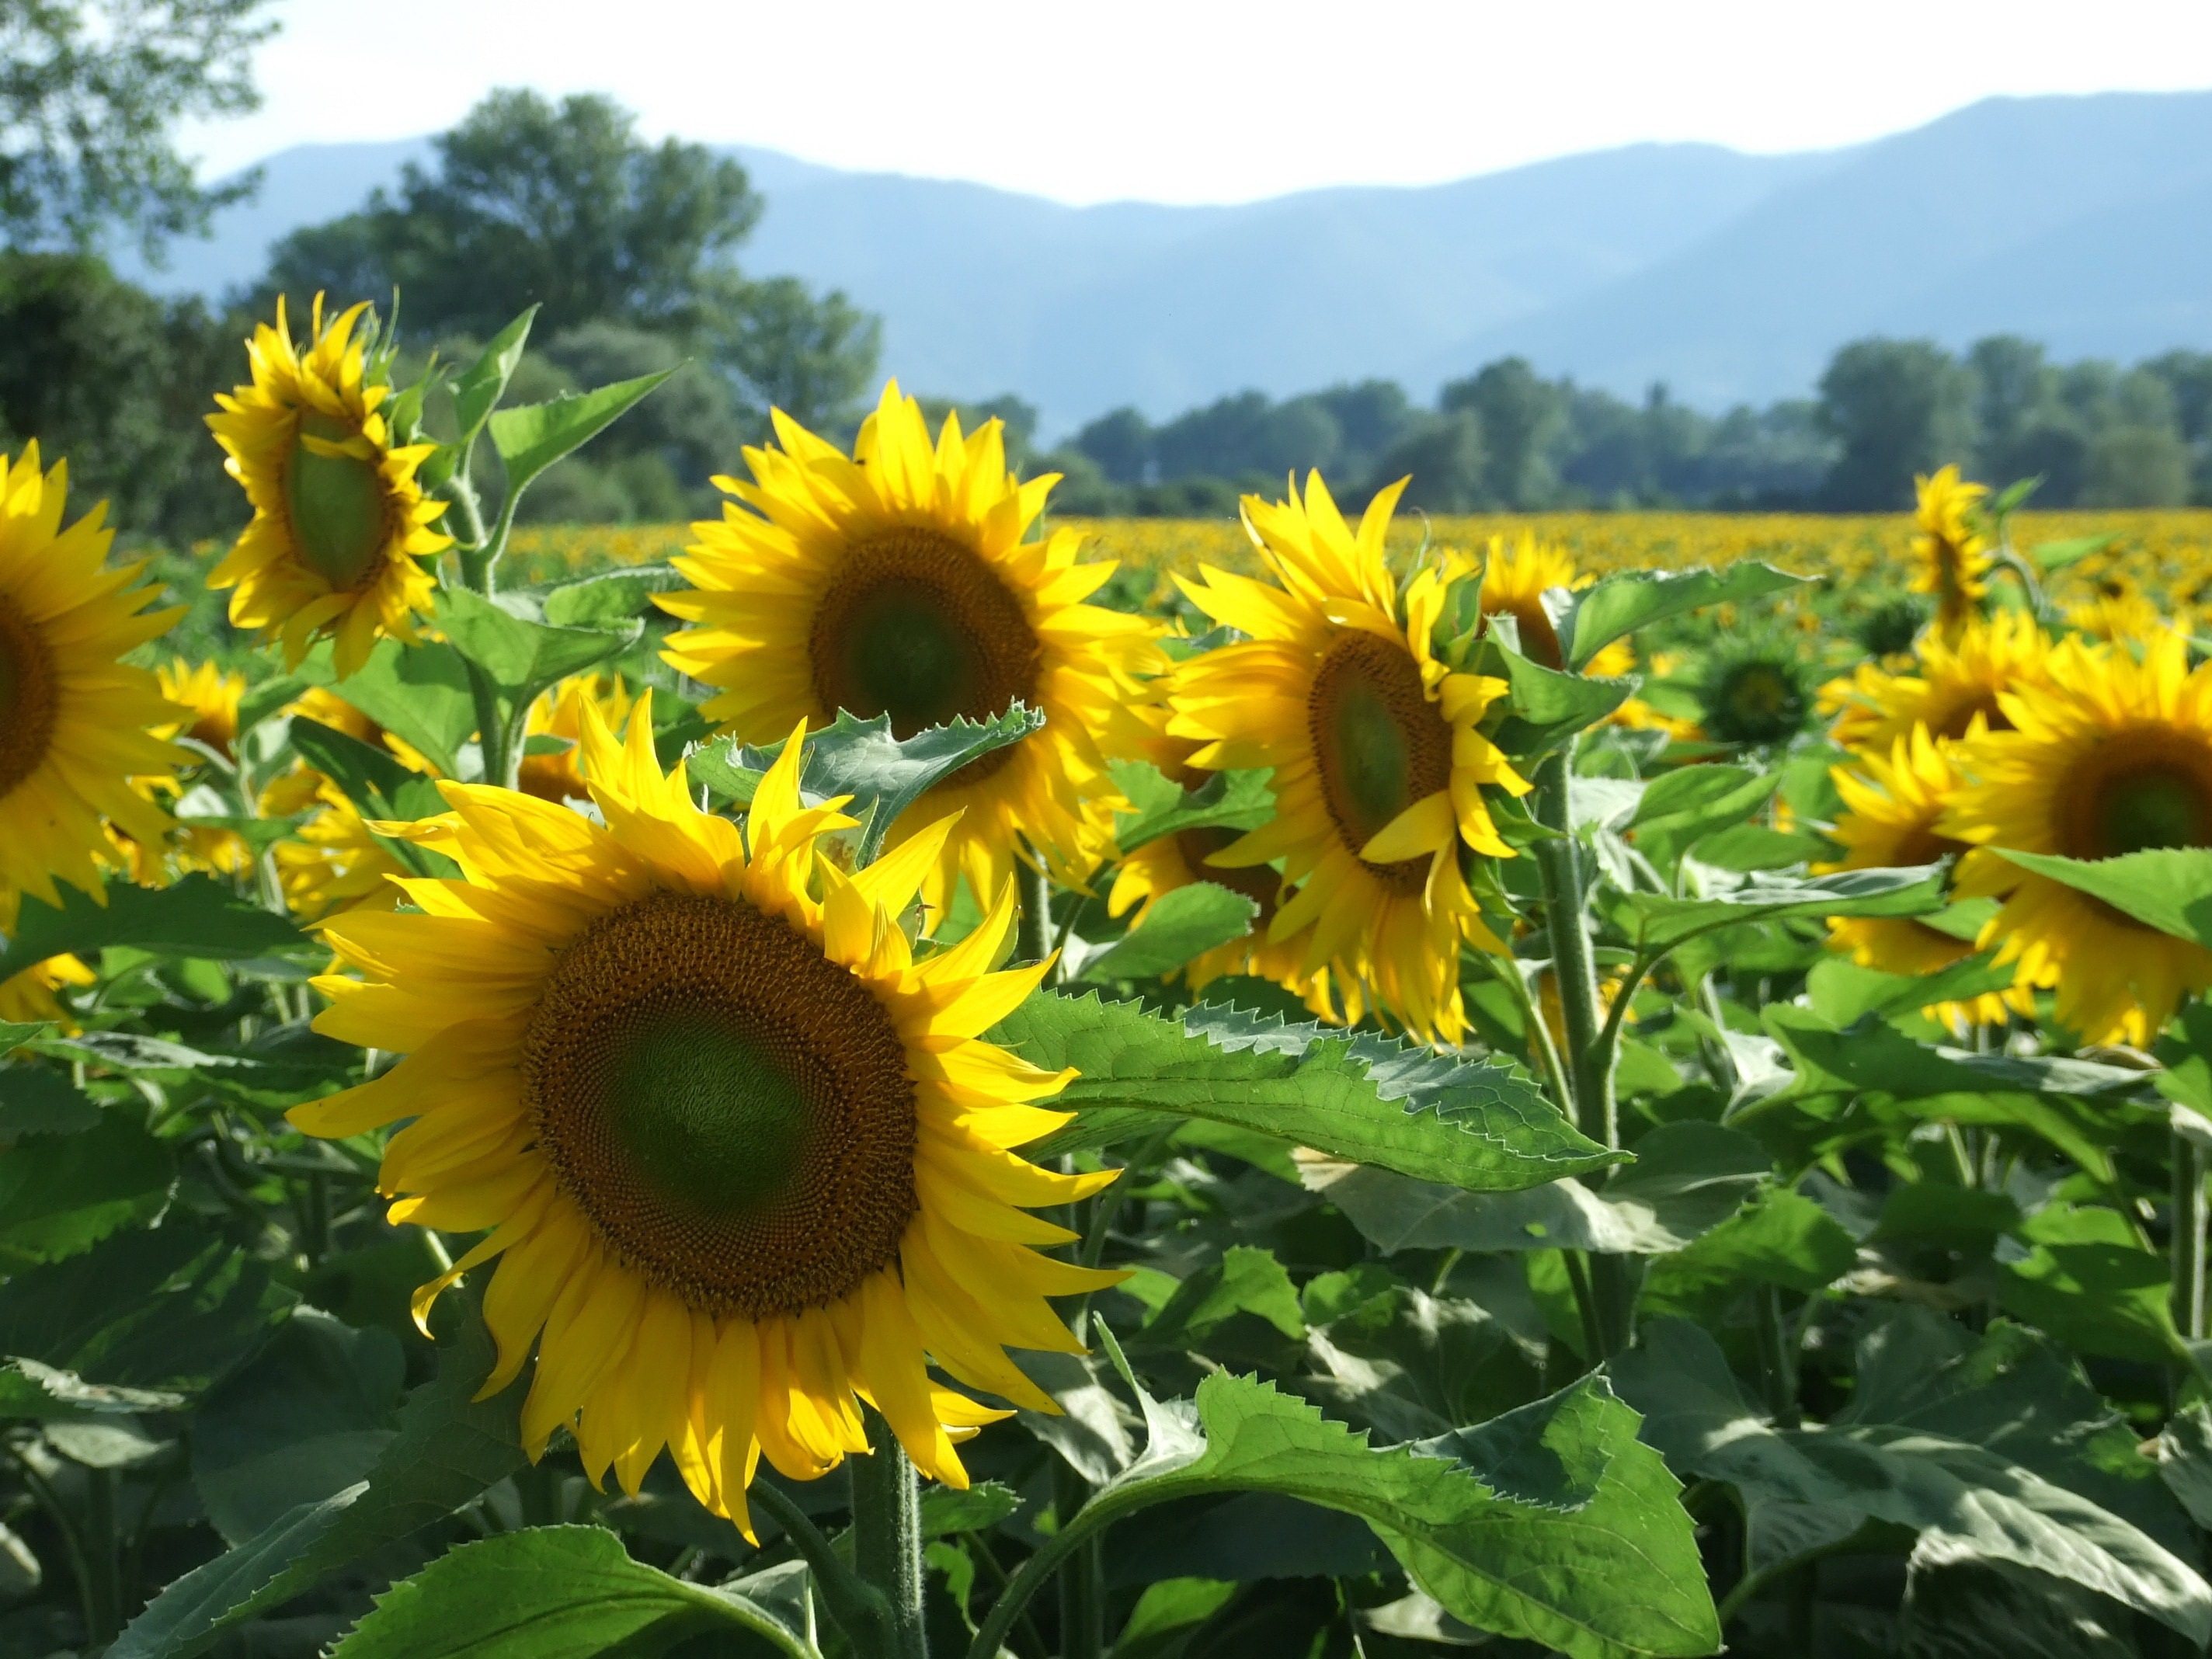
1378,742
914,625
2155,806
28,705
341,513
728,1108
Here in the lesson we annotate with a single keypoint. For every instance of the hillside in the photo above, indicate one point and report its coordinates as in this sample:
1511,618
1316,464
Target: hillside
2083,222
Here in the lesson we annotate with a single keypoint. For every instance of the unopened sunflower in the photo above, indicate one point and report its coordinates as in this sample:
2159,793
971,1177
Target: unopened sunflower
897,582
2111,755
1378,765
1892,806
1955,685
77,724
1951,556
743,1159
340,526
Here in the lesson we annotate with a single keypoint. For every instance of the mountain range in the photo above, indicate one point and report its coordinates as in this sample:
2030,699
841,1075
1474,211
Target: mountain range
2085,222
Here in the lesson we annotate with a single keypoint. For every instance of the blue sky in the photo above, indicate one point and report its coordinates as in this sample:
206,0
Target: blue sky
1207,100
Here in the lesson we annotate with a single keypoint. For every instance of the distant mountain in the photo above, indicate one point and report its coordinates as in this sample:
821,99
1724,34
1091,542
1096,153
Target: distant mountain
2086,222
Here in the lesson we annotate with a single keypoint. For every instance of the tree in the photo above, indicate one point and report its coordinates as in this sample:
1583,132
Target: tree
1897,407
113,380
561,205
1447,460
1522,418
2188,377
2012,385
814,359
1121,442
2136,467
91,92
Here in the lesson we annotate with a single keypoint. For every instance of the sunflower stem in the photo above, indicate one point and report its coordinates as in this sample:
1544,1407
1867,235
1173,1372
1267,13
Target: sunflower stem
1589,1042
2188,1238
1081,1576
887,1536
1033,934
860,1608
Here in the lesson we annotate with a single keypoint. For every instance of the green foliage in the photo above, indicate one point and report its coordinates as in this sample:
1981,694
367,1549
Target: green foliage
195,917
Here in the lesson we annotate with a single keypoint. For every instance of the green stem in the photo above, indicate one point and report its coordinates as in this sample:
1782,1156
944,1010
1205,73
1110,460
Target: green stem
887,1536
2188,1238
1777,1369
1083,1578
500,765
103,1557
1034,929
858,1607
1588,1056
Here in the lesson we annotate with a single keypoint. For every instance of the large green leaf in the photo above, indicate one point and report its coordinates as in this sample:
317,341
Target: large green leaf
1688,1177
1873,1054
197,916
1551,1524
1392,1357
1482,1126
522,657
62,1194
885,774
612,595
1967,1500
1658,921
1547,707
478,388
2168,888
531,438
373,778
170,1310
1183,923
1221,800
39,1100
1615,607
308,1416
2090,1284
557,1593
1680,807
419,693
449,1448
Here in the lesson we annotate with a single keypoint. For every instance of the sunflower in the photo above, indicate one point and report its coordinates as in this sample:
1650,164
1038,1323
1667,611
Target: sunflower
210,694
1953,553
1892,806
1516,576
2126,615
2112,755
1755,692
1378,764
340,524
77,721
1168,862
742,1157
897,582
550,772
334,862
1954,684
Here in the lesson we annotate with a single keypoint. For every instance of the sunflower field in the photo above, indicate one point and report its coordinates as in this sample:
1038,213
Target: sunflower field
889,1075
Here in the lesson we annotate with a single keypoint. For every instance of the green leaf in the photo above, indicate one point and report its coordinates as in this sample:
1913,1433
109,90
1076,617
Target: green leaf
612,595
196,916
2052,556
2167,888
449,1447
531,438
1688,1178
1680,807
1615,607
1548,707
1782,1238
481,386
2092,1284
1368,1099
1875,1056
1966,1501
520,657
1551,1524
1659,921
171,1310
1948,1217
1394,1358
1841,991
373,779
2184,1460
1183,923
38,1100
556,1593
882,773
1995,1610
1245,1280
421,695
308,1416
1222,800
62,1194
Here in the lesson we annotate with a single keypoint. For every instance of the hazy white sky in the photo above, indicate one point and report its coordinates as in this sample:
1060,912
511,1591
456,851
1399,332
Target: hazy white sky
1207,100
